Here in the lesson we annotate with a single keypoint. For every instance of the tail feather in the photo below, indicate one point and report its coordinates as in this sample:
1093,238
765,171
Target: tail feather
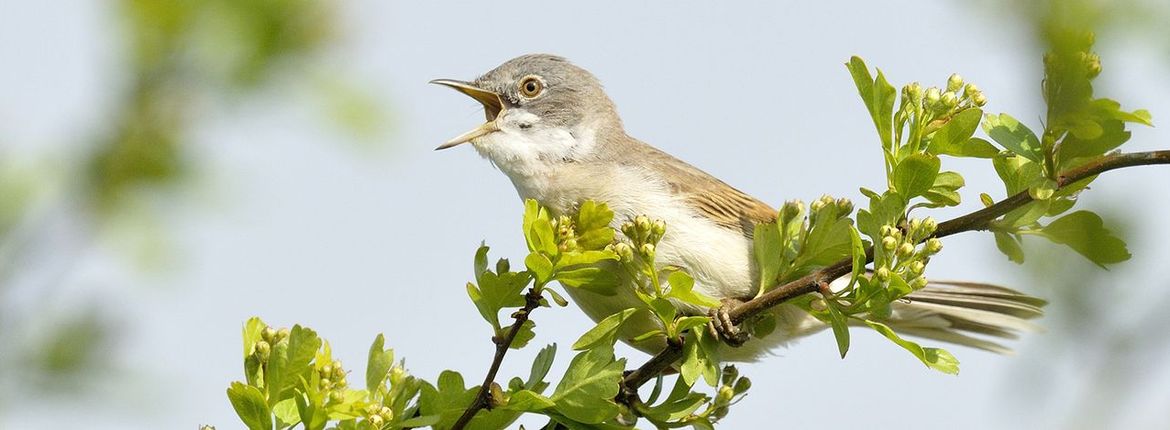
957,312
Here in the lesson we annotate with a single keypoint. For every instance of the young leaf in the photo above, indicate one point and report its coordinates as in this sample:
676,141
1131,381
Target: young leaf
1013,136
447,399
840,325
682,287
286,413
525,334
767,243
528,401
480,261
954,138
585,394
858,253
593,216
249,404
935,358
1009,246
1085,233
605,332
878,96
378,364
591,278
915,174
540,366
252,334
540,266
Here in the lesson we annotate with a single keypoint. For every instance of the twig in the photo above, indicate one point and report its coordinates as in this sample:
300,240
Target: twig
978,220
483,397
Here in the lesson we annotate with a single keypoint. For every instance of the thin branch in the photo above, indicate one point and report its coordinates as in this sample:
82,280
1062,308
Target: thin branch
483,397
978,220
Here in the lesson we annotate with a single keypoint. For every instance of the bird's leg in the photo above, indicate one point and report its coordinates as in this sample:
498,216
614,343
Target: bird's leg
722,327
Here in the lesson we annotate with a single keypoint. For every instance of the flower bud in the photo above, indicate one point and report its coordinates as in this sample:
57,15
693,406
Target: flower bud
326,370
742,385
918,283
397,375
642,223
791,210
339,373
628,229
282,334
954,82
647,249
376,421
263,349
882,274
950,100
325,382
1093,65
729,374
929,225
386,413
725,395
917,267
889,243
933,95
887,230
933,246
845,206
268,334
915,225
970,89
659,228
817,205
914,90
905,250
336,396
979,99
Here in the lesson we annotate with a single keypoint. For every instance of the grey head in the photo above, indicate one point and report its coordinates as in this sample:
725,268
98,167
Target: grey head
536,106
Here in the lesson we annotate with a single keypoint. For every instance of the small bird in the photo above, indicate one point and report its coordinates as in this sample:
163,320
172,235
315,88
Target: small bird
555,133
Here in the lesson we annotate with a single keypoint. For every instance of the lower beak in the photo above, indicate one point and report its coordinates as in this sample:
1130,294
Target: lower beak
492,107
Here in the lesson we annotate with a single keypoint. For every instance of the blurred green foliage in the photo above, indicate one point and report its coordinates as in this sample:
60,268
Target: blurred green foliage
180,58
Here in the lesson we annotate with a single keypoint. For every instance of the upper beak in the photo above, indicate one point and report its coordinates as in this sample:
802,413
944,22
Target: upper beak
492,106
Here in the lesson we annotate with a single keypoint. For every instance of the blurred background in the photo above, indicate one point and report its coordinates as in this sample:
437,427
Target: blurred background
169,169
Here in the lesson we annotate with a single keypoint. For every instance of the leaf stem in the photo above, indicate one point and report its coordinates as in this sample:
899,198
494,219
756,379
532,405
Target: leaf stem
483,397
978,220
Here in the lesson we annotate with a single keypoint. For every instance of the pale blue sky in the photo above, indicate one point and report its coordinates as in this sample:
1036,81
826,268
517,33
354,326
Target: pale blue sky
290,223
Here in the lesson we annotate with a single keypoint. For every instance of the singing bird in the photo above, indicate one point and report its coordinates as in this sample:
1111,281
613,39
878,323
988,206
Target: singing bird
556,134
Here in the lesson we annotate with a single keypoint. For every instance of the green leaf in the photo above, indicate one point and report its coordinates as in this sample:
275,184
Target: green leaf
944,191
252,334
1018,173
540,266
587,390
1073,148
858,254
954,138
525,334
592,278
1085,233
686,323
481,261
249,404
528,401
289,359
447,399
286,413
934,358
1013,136
915,174
700,358
420,421
840,325
1009,245
593,216
556,297
682,287
538,231
540,366
878,96
769,252
378,364
664,309
605,332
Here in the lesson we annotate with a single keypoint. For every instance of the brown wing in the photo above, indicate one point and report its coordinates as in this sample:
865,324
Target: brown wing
722,203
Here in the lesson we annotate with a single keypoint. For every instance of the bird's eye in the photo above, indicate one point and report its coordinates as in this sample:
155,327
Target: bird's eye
531,87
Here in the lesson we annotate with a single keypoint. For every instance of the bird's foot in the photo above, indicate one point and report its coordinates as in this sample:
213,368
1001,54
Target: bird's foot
722,327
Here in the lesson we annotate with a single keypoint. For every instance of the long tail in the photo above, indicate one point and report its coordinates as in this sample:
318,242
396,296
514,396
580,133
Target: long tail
966,313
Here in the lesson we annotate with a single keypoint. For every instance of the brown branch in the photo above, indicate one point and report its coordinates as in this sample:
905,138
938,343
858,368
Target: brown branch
483,397
978,220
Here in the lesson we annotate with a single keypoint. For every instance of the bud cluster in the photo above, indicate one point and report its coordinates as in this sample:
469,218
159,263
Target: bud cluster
331,380
732,388
565,233
827,206
378,415
905,252
268,337
643,235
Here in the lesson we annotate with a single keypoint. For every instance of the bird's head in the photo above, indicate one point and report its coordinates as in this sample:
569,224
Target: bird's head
539,109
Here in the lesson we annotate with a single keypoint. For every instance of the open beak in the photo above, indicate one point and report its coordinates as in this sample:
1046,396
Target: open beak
492,106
